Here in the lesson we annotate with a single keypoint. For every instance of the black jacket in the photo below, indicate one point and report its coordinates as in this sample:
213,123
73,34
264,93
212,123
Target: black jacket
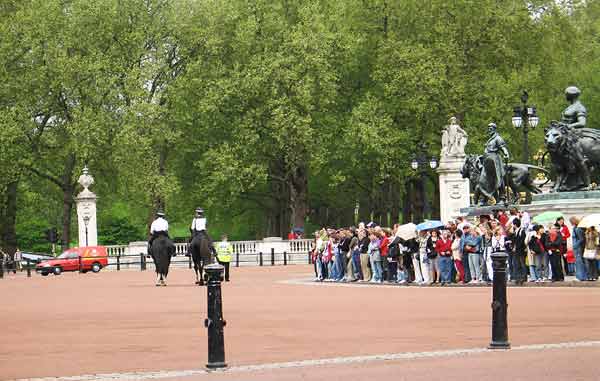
518,240
553,246
537,245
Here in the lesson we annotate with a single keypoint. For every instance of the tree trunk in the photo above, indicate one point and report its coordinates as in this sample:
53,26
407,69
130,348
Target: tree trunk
298,185
406,202
68,189
158,201
9,218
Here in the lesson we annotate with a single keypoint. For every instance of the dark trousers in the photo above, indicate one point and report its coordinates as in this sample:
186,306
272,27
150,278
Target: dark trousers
465,263
592,268
226,265
556,263
512,266
392,271
520,268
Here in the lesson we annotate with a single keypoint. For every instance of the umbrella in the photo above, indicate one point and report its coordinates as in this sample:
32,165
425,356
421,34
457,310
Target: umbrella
590,220
546,217
430,225
407,231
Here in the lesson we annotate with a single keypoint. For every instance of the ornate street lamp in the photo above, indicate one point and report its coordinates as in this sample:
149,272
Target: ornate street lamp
419,163
525,116
86,221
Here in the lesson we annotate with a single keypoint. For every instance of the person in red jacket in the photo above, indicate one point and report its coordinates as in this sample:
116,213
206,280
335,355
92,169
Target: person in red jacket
565,233
384,242
443,248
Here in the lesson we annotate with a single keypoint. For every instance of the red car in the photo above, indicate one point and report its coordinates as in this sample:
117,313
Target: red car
93,258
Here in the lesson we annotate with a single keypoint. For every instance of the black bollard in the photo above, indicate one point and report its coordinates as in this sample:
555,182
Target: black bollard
237,259
28,268
499,304
190,261
260,259
142,262
284,258
272,256
309,258
215,323
80,265
118,262
1,268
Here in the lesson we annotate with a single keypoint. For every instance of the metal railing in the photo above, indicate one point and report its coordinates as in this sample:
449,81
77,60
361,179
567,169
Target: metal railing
140,261
243,247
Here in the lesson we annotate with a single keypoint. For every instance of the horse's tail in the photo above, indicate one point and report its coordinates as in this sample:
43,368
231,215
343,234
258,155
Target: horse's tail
529,166
204,247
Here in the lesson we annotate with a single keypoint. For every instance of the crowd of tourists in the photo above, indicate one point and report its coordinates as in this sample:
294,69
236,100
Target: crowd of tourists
459,252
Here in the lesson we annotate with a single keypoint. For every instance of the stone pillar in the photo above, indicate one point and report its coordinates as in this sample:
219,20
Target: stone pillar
86,212
454,190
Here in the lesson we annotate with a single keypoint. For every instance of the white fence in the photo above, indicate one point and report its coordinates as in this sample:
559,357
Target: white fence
268,252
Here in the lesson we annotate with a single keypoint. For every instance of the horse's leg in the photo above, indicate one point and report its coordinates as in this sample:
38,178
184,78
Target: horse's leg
196,271
164,280
201,273
157,279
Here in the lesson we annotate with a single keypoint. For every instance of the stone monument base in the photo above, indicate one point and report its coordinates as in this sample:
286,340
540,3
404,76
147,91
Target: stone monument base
570,204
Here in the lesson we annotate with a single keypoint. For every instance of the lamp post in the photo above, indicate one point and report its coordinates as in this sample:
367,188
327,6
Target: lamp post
525,116
86,221
419,163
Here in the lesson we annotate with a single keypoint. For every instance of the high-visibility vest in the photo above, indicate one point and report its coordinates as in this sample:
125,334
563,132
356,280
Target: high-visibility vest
224,251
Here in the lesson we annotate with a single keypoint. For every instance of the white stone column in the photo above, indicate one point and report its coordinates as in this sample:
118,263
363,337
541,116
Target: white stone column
454,190
86,212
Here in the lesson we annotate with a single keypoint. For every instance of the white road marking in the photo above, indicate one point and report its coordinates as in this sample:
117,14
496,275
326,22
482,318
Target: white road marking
127,376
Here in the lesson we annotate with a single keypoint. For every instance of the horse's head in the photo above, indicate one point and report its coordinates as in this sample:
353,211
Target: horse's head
465,170
555,136
470,167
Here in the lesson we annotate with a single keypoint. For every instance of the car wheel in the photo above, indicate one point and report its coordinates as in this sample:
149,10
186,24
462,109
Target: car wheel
96,267
57,270
44,274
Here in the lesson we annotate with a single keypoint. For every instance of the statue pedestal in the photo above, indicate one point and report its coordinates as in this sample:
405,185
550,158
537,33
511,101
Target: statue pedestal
578,204
86,211
86,218
454,190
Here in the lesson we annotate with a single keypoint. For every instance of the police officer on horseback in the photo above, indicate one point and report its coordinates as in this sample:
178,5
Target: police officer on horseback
198,228
159,227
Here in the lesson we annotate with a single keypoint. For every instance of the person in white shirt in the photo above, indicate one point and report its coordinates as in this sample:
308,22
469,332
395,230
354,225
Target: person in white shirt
198,223
159,226
199,227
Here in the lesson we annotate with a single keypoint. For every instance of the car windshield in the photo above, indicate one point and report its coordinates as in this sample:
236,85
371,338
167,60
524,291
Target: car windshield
67,255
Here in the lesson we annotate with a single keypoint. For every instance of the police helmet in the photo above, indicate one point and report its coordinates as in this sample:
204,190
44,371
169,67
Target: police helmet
572,90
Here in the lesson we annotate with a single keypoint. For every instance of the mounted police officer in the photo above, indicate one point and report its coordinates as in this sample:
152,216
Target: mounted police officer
199,228
159,227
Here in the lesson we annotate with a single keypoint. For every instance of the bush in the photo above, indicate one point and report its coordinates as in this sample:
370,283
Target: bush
118,231
31,236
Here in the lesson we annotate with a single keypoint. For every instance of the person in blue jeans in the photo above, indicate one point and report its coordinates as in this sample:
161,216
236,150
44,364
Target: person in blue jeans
443,247
375,258
578,237
471,244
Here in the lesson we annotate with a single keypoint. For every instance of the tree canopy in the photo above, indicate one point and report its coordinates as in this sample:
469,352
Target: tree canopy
269,114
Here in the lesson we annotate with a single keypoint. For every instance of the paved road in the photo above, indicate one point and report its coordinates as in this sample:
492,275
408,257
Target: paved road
78,324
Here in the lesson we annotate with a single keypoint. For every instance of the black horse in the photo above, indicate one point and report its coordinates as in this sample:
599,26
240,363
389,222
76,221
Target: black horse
517,177
161,251
201,255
